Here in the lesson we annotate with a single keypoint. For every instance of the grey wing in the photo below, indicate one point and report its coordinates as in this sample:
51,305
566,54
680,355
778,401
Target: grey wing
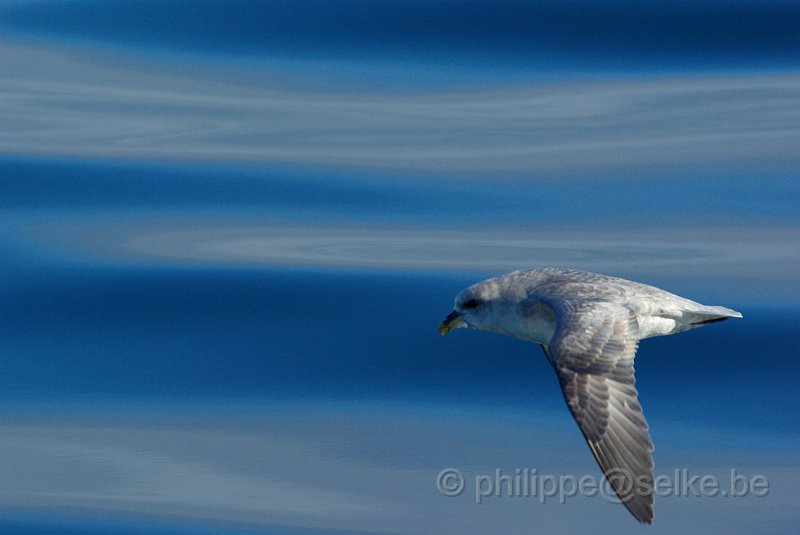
592,352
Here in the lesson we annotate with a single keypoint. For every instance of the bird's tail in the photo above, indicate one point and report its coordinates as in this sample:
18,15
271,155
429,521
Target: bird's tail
711,314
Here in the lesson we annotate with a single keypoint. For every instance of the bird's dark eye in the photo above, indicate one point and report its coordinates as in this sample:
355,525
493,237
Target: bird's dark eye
472,303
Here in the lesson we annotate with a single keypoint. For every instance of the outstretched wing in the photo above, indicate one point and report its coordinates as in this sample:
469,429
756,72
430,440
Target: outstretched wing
592,352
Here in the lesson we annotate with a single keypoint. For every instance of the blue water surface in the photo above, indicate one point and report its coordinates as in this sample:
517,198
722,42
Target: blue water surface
229,230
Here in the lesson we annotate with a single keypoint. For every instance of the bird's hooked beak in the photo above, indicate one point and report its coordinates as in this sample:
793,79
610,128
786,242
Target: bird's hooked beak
452,321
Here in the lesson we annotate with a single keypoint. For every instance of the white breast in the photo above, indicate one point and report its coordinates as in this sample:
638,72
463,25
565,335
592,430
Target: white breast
537,323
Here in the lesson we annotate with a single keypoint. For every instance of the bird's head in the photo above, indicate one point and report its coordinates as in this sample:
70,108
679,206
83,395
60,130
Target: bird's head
502,305
474,307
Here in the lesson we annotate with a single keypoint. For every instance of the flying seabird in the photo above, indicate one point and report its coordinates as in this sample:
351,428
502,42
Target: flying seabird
589,326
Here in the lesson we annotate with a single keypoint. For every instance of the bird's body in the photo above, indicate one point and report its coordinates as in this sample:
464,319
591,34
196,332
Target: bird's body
589,326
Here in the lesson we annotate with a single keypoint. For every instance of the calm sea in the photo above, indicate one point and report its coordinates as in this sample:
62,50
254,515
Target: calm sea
228,231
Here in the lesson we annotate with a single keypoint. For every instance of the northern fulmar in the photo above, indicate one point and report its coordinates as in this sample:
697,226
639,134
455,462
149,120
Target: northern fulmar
589,327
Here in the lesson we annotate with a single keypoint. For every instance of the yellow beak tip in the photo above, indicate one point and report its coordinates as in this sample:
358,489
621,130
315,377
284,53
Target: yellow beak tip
443,329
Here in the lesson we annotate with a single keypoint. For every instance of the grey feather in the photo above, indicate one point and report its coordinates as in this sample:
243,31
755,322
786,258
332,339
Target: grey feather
592,353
